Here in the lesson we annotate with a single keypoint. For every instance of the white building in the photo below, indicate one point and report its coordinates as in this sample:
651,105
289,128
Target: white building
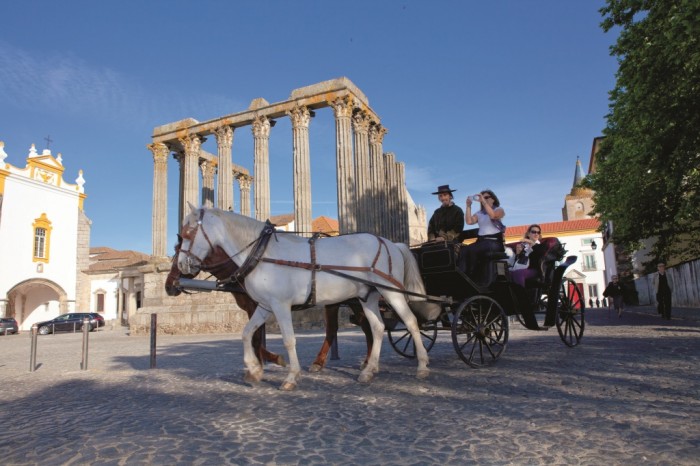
44,239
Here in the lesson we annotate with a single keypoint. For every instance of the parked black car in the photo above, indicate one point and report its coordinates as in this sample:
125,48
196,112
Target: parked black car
8,325
70,322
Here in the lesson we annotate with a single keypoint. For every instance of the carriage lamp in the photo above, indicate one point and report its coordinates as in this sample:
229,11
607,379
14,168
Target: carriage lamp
594,246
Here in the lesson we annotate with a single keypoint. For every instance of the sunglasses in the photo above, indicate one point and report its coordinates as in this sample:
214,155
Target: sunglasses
487,197
535,232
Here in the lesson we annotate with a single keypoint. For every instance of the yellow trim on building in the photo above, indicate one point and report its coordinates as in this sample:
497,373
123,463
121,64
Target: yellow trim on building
81,200
3,177
45,223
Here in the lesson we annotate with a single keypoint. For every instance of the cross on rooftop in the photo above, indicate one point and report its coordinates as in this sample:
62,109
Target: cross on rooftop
48,141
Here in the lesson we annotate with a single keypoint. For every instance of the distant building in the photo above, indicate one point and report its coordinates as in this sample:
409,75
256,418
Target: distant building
44,240
116,282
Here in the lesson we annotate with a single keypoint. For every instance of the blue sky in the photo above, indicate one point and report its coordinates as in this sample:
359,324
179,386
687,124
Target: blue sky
501,95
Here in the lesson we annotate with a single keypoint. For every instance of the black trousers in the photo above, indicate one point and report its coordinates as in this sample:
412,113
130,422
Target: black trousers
664,304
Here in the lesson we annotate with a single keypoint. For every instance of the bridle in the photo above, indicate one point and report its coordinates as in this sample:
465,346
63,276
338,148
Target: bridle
190,234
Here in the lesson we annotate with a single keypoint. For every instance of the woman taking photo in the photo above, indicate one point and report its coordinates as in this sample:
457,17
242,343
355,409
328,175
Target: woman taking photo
491,230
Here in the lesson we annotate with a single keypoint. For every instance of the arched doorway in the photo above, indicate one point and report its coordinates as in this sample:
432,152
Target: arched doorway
35,300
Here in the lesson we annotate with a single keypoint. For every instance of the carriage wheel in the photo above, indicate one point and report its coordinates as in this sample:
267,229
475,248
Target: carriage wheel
540,309
479,331
570,313
402,340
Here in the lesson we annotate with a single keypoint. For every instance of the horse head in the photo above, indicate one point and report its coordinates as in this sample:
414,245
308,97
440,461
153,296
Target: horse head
170,288
196,242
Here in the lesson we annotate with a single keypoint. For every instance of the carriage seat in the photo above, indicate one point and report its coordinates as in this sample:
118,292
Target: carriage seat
543,258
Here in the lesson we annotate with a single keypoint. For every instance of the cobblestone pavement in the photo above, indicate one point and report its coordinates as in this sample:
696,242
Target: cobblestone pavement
629,394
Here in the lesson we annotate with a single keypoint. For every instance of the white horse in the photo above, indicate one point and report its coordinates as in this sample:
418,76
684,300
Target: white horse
379,266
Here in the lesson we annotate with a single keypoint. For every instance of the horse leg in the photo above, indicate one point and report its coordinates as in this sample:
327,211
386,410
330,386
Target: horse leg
371,308
254,368
284,319
362,321
330,316
398,302
247,303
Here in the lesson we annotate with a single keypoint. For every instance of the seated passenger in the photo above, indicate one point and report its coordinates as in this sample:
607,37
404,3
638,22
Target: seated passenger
491,230
517,259
448,220
532,237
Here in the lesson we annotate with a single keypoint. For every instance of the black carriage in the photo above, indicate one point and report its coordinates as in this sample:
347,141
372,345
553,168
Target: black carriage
476,310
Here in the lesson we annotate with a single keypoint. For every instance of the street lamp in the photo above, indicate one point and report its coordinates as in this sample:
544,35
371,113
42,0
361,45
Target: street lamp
594,246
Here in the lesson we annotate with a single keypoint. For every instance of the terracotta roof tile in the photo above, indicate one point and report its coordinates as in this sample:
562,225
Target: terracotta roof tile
555,228
281,220
103,259
326,225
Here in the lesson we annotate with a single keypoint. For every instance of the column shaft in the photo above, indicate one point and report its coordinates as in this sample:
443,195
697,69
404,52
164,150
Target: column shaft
190,173
224,180
360,125
301,117
261,167
403,202
378,180
159,220
345,170
244,183
208,170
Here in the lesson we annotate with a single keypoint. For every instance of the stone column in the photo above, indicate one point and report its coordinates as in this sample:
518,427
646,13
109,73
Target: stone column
390,163
301,117
208,169
244,183
131,299
377,171
345,171
261,166
360,124
159,225
120,297
224,186
190,173
402,201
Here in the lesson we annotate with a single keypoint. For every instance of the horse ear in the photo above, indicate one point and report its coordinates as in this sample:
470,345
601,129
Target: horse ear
192,208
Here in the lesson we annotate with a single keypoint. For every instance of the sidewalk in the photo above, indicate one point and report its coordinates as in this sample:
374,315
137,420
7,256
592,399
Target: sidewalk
691,313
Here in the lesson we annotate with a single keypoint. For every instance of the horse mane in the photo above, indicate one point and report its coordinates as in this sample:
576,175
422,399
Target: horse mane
242,224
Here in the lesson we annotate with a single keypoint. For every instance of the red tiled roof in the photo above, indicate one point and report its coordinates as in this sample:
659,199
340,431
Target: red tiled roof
325,225
103,259
555,228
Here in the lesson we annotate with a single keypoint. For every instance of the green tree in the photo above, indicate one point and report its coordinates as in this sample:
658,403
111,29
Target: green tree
647,177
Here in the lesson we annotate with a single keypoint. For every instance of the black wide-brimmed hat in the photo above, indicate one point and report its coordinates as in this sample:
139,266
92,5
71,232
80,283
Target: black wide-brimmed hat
445,188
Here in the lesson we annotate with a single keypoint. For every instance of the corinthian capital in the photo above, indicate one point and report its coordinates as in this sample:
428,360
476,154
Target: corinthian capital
377,133
300,117
191,144
224,135
360,121
342,107
160,152
261,127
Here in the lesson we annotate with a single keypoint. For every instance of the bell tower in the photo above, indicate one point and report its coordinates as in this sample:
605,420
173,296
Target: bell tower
578,204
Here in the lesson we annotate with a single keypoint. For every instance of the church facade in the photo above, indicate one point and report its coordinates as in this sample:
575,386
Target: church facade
44,239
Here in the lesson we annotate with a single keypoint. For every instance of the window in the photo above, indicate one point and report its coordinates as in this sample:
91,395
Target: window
40,243
588,262
100,302
42,239
593,291
586,242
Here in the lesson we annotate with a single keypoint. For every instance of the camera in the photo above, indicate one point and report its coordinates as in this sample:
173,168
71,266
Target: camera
475,198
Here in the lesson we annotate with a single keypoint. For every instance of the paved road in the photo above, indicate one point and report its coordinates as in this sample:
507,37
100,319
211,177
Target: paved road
628,395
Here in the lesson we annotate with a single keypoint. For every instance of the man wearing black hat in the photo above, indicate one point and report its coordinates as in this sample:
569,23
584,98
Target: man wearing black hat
447,221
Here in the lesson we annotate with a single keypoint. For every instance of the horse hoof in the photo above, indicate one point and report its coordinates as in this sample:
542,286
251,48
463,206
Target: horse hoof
365,377
288,386
422,374
281,362
315,368
252,378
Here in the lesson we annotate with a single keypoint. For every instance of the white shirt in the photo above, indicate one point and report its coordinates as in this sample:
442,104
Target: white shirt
486,226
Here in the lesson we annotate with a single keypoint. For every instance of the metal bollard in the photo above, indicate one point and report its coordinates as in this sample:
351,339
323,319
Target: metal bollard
86,332
154,331
32,353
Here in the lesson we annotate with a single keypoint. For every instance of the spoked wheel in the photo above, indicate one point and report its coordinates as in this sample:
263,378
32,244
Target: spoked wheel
479,331
402,340
540,309
570,314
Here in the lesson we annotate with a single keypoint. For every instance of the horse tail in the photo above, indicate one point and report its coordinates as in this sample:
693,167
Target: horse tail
412,279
